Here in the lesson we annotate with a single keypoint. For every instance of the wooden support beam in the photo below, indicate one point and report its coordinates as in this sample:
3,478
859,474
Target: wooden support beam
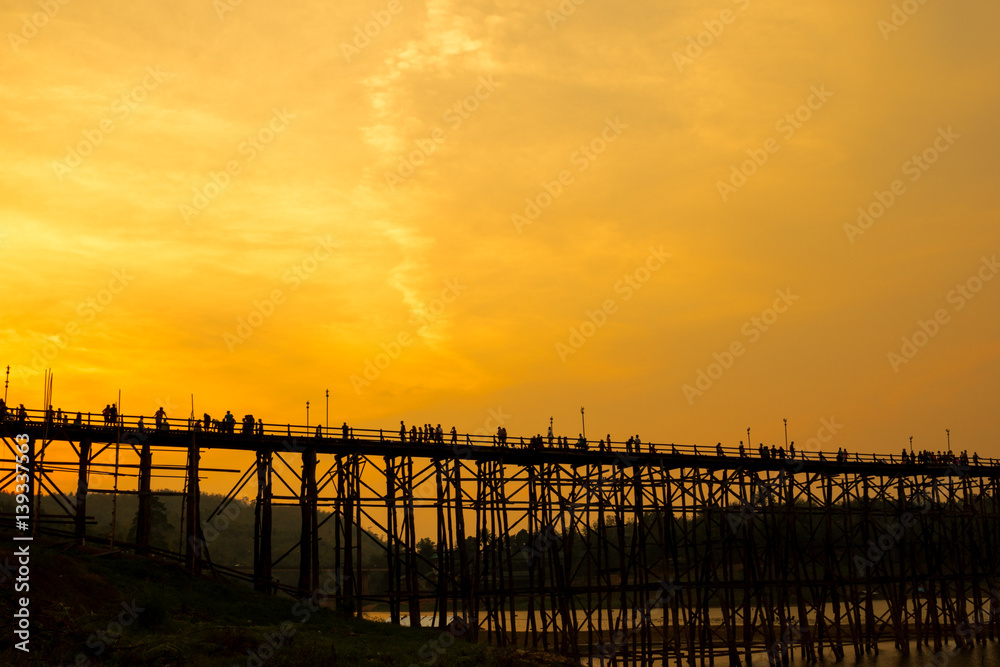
192,521
308,566
262,524
81,494
143,519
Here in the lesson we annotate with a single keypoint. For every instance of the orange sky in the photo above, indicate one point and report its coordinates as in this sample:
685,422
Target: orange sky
474,182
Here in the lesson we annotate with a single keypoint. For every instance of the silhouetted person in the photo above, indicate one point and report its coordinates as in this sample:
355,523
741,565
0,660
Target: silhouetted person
402,431
207,421
550,435
22,415
743,451
79,419
3,410
114,414
791,450
160,416
718,450
142,426
106,413
228,422
454,436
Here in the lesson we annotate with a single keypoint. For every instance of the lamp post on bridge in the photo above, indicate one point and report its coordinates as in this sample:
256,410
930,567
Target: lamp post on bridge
786,433
328,410
947,432
307,414
911,444
5,383
583,423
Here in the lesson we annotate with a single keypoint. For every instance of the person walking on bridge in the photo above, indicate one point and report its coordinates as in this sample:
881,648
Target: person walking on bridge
345,431
454,436
160,415
402,431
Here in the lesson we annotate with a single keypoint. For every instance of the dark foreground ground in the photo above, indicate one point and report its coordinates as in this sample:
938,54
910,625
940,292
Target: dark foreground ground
89,607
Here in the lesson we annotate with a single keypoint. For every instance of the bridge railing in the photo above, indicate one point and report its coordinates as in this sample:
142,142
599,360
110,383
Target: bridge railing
143,423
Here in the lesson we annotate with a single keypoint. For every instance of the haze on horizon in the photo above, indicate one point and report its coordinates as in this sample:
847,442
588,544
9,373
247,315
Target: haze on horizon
522,207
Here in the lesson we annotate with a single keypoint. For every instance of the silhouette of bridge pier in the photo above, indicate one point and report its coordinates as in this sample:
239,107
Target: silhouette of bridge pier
678,554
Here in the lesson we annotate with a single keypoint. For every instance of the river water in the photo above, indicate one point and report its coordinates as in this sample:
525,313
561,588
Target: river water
987,655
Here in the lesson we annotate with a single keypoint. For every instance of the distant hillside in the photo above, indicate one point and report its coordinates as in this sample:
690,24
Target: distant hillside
91,608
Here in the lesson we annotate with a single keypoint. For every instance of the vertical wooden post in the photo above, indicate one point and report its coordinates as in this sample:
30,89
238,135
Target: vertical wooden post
463,554
192,525
442,546
307,505
81,494
392,541
144,523
410,535
262,524
345,489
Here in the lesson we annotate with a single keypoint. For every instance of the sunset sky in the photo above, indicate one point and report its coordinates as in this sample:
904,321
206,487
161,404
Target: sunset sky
525,207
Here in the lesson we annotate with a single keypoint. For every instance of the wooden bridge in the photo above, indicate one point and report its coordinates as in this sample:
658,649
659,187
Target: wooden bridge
668,554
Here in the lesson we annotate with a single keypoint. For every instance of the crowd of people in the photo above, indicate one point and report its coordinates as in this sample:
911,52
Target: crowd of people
431,434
